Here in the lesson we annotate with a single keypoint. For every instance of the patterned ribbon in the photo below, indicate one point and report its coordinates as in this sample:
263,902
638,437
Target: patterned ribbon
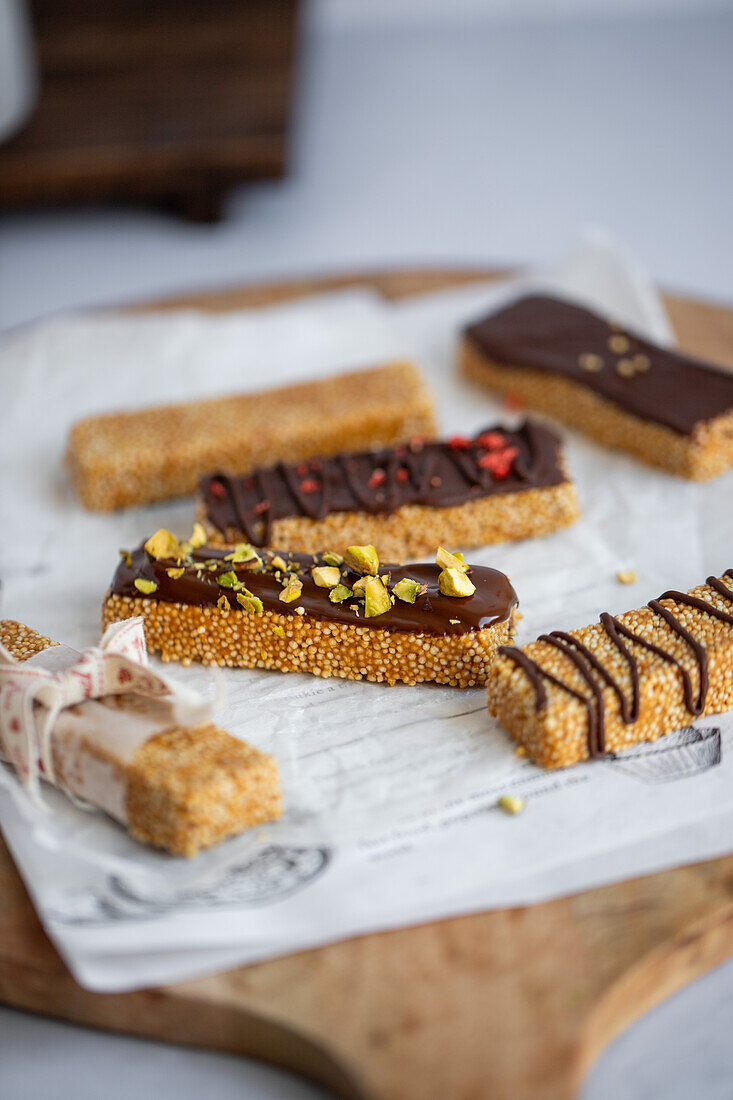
31,697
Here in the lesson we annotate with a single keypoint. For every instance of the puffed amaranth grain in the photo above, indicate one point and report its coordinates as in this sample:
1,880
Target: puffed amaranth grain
557,734
415,530
304,643
129,458
699,457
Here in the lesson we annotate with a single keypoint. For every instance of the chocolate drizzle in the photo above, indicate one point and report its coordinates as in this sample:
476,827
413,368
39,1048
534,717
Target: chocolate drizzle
553,336
437,474
587,663
432,613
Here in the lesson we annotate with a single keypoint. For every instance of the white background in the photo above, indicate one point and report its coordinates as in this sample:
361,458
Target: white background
426,138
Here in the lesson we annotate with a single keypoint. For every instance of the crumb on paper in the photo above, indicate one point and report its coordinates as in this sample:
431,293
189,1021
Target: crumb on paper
511,804
626,576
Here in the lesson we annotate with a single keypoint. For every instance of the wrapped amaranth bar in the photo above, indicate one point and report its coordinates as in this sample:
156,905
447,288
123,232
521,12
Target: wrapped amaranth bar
406,500
666,408
154,454
106,728
580,694
349,616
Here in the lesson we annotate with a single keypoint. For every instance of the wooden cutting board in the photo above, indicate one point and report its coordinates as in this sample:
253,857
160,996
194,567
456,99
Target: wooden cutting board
506,1005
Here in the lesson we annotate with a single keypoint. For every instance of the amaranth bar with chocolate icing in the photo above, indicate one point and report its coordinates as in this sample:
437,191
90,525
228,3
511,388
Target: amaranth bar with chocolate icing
500,485
349,616
184,789
127,458
667,408
580,694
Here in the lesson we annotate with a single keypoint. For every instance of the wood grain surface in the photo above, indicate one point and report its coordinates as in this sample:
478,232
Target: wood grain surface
171,102
508,1005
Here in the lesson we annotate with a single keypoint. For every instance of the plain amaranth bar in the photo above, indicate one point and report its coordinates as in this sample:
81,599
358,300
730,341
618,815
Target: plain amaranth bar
128,458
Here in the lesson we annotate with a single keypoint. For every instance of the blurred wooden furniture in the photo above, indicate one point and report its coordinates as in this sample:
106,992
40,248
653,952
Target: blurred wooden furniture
158,101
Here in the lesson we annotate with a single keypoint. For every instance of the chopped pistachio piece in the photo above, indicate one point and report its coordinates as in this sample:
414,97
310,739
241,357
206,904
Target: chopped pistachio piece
223,603
362,559
278,563
454,621
511,804
126,557
333,559
279,631
376,598
243,552
453,582
174,574
144,586
163,544
228,580
626,576
408,590
292,590
197,538
325,576
450,561
251,604
359,587
340,593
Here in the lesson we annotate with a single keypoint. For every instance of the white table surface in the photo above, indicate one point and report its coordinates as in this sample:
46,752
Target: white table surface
482,143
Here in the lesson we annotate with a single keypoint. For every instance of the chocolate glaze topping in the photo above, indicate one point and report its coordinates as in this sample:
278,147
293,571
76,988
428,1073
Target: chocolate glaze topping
547,334
587,663
439,474
432,613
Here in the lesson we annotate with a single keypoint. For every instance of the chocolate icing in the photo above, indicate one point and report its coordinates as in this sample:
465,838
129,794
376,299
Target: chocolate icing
547,334
492,601
586,662
440,474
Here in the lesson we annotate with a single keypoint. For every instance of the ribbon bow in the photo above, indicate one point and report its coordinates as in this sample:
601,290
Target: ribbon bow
31,697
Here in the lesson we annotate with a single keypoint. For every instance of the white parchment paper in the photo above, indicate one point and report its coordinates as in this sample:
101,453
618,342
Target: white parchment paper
390,792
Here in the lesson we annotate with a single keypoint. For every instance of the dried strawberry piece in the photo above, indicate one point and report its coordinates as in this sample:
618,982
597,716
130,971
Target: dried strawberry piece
459,443
302,469
262,507
217,489
403,474
492,441
378,478
310,485
499,462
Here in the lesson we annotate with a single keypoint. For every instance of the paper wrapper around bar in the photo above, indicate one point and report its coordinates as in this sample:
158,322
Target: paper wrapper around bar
109,730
